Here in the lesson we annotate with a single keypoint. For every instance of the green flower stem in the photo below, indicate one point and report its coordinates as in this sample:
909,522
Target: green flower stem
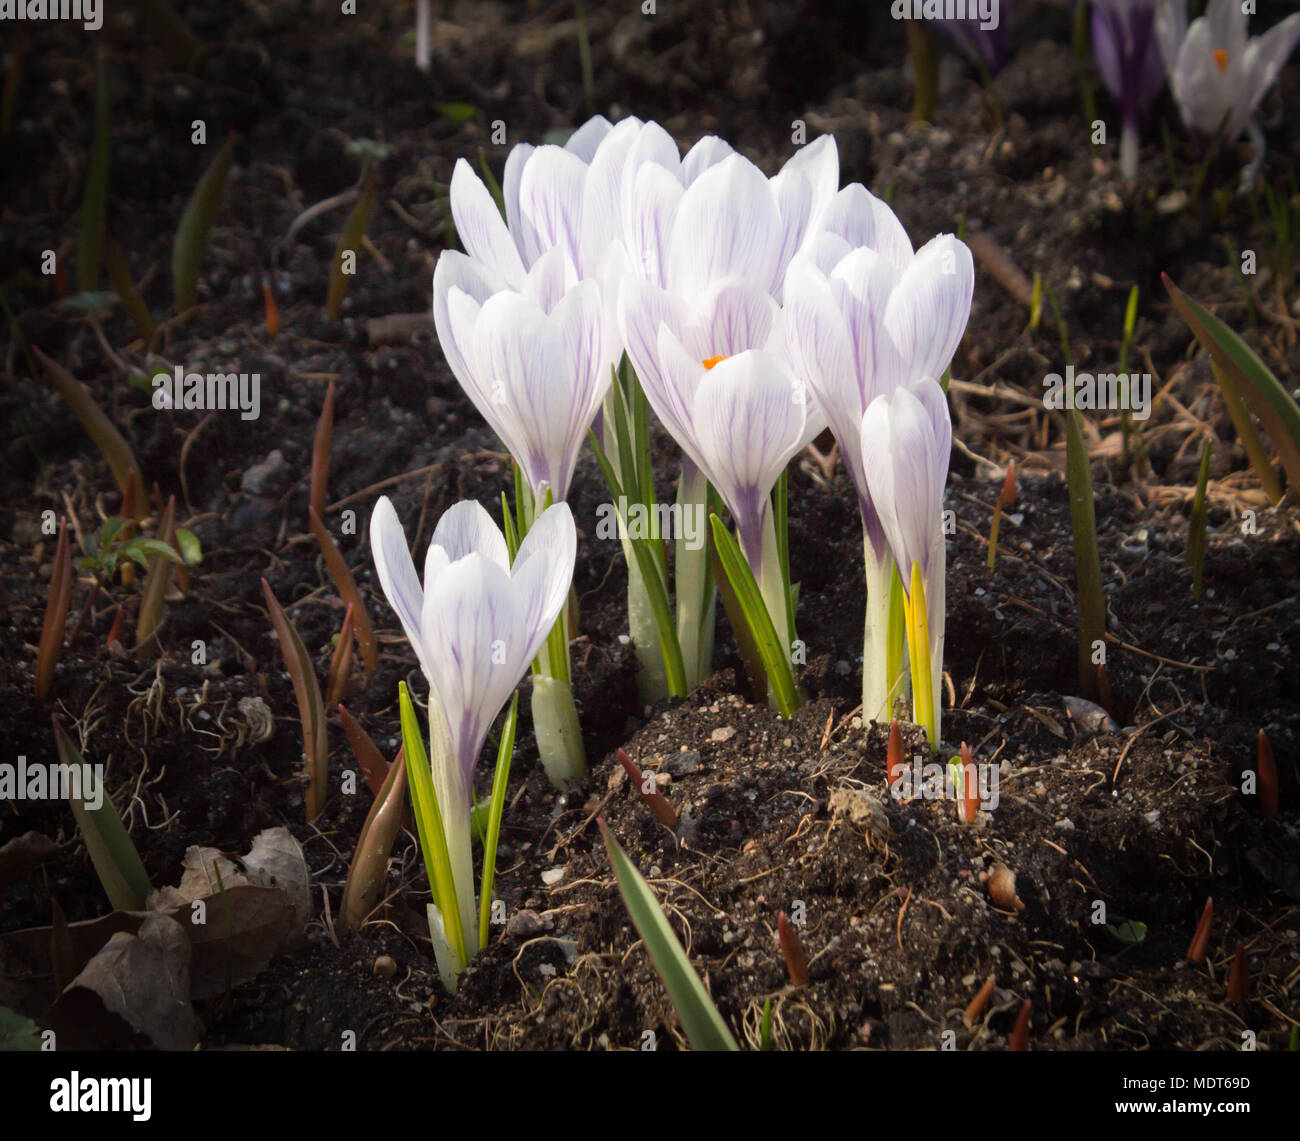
773,587
555,725
882,666
696,592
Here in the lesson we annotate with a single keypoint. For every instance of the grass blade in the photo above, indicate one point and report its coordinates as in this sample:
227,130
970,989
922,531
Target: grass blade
191,241
1087,562
115,450
94,202
1249,376
1200,517
346,585
311,709
56,615
354,230
119,273
156,583
776,664
500,778
652,575
369,868
320,452
116,862
703,1024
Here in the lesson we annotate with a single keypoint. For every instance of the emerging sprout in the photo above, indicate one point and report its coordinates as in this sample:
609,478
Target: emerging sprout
1200,944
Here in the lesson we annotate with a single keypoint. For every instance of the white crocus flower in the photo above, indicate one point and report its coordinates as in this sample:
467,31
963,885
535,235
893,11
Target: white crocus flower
906,443
475,625
536,364
1217,73
864,315
739,415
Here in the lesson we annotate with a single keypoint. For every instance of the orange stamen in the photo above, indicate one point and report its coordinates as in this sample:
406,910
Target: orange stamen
1221,60
712,361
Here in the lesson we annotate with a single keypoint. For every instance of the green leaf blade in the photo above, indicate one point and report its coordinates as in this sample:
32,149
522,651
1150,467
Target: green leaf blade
704,1026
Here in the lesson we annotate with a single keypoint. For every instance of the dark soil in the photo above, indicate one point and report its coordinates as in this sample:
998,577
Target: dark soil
1141,822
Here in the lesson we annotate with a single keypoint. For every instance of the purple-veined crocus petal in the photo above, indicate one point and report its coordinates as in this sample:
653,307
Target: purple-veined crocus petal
585,334
602,192
862,286
551,541
861,219
456,272
397,574
481,227
907,465
679,373
748,425
587,138
466,528
550,198
804,189
821,353
930,306
642,308
472,631
706,153
523,387
521,229
656,193
727,224
735,315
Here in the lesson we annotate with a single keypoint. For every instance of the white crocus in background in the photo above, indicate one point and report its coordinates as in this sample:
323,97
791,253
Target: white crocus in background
475,625
864,315
1217,73
906,443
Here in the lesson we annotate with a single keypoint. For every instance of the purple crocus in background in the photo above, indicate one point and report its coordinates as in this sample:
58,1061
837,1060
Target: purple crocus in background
1128,57
989,46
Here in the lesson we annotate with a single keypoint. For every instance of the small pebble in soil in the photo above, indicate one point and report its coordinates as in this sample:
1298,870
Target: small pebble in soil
385,966
552,876
267,477
683,763
725,733
524,924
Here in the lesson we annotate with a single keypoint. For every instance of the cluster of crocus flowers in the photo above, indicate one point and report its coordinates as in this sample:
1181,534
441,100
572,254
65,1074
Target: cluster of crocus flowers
1217,73
475,623
616,277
